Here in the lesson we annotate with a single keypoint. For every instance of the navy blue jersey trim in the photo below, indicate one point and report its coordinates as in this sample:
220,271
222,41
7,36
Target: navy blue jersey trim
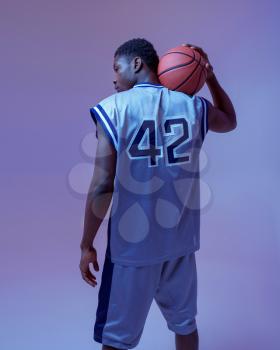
108,121
206,114
202,121
204,118
95,116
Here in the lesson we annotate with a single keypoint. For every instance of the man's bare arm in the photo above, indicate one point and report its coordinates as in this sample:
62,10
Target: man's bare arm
221,116
100,190
97,204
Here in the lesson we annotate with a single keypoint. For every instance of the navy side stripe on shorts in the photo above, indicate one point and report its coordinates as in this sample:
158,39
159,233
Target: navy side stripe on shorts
103,299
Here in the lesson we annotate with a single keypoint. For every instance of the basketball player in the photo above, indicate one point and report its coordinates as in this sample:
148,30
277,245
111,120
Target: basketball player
149,139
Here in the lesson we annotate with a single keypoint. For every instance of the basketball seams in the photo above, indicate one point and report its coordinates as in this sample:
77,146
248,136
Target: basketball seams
175,67
198,64
198,82
182,53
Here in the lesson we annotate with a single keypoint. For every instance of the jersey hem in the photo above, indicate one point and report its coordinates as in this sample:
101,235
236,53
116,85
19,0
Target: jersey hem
155,261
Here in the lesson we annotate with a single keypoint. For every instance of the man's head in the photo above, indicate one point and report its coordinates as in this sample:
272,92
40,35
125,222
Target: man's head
134,61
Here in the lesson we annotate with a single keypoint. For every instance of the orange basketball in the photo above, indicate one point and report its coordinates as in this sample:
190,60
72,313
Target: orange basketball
182,69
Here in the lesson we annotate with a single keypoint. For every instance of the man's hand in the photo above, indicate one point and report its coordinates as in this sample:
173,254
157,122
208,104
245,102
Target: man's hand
89,255
208,66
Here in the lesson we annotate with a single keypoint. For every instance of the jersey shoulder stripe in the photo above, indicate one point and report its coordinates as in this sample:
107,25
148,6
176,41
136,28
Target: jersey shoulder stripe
105,113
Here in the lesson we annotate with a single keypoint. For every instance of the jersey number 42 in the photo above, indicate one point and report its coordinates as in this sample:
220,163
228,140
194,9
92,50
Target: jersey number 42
144,142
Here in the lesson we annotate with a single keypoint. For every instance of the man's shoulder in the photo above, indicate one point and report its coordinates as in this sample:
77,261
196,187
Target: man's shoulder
108,100
182,96
130,95
117,97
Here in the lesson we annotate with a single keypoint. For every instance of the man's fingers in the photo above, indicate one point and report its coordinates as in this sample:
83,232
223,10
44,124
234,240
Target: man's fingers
188,45
96,266
90,282
89,274
197,48
191,46
89,278
209,66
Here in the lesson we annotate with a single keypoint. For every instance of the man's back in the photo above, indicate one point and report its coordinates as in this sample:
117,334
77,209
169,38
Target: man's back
158,134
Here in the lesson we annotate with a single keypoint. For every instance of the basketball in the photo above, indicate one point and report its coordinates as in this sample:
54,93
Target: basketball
182,69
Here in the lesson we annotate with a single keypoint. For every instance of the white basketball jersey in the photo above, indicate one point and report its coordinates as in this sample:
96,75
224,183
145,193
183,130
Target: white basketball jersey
157,134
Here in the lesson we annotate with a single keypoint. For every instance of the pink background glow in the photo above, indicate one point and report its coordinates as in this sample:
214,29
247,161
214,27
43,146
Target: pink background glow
57,62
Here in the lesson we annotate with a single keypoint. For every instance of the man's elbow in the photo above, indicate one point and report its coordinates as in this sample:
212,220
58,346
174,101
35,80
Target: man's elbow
104,187
97,189
232,126
222,127
231,123
234,123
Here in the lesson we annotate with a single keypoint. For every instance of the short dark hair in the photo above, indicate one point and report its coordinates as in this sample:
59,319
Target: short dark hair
142,48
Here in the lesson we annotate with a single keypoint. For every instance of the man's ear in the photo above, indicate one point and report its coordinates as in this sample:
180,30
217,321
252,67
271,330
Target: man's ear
138,64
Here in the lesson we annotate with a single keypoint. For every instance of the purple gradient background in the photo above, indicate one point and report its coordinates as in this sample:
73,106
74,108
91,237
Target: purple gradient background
56,62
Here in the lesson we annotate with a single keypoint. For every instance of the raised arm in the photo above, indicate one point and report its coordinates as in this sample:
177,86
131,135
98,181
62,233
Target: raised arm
221,115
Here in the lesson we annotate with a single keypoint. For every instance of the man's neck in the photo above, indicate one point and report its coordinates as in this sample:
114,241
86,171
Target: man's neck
152,78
